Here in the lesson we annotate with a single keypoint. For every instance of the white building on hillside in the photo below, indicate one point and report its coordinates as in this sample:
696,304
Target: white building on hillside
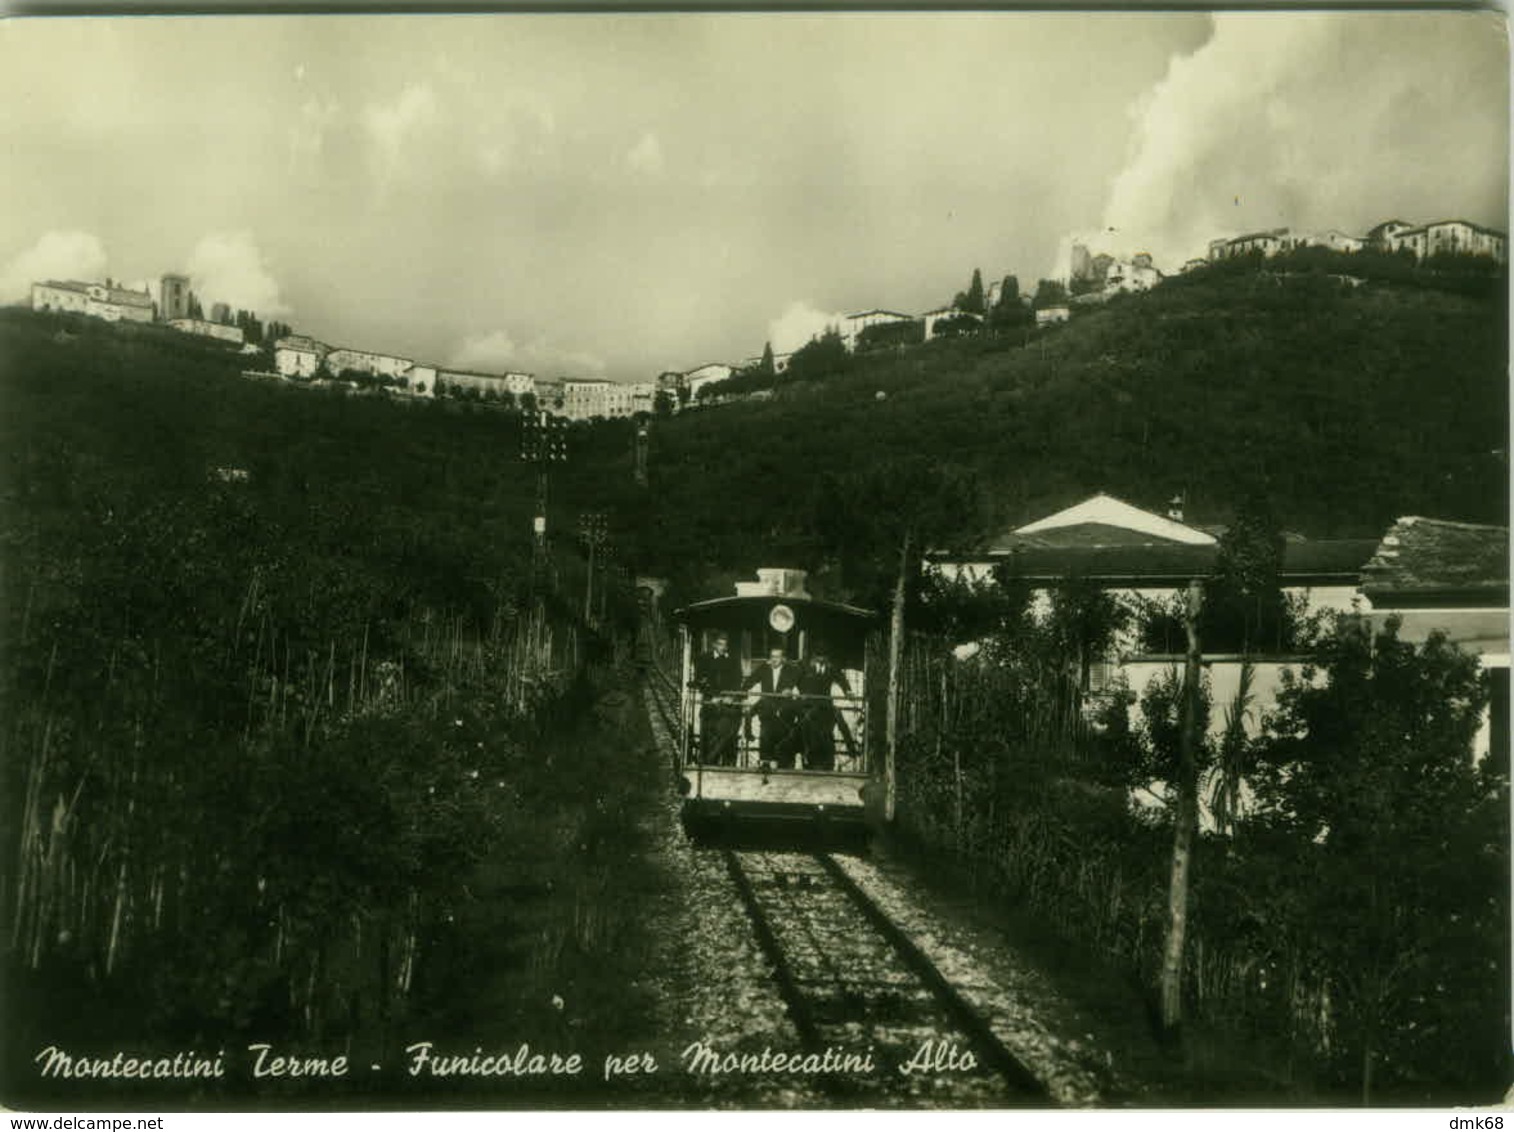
696,379
344,360
1128,277
855,324
420,380
208,329
492,385
1147,560
97,300
298,356
1454,237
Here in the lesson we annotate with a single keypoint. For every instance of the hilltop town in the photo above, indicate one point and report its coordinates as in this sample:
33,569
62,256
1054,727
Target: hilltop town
1092,279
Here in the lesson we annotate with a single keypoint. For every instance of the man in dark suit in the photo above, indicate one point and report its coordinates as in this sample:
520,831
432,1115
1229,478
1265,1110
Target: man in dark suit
717,675
818,684
777,681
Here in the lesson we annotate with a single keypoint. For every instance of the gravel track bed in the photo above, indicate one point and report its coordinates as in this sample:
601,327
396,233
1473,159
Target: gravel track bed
1008,993
717,985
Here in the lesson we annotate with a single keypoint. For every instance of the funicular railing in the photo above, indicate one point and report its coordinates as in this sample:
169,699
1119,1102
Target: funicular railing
816,733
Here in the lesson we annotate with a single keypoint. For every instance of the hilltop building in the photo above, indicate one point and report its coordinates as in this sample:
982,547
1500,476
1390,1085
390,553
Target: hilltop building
931,318
1454,237
208,329
1459,237
298,356
487,384
96,300
780,362
344,360
696,379
857,323
551,394
1091,278
173,297
1135,276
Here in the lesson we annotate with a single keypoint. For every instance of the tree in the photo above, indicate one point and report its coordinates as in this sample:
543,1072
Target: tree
662,403
1050,293
767,367
879,523
820,357
1244,608
1010,311
971,300
1391,850
1009,292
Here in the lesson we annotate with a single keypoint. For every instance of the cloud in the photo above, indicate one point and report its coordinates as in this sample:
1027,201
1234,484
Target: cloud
57,255
228,267
645,157
519,139
1305,120
496,352
307,135
390,125
798,323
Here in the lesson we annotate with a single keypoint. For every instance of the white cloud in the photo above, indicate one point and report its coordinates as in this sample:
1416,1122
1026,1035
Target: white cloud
645,157
390,126
519,136
496,352
57,255
307,135
1304,120
798,323
228,267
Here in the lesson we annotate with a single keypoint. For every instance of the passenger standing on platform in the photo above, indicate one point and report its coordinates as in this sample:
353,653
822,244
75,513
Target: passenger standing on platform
778,681
817,684
717,674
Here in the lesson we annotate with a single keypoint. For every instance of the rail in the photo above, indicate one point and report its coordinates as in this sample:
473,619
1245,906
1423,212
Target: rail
842,965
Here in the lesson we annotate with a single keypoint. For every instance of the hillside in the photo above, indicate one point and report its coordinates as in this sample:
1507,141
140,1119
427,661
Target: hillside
1348,406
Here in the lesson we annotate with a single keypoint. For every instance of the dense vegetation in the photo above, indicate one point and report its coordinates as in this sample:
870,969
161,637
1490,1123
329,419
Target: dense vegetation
275,681
1348,935
281,660
1345,406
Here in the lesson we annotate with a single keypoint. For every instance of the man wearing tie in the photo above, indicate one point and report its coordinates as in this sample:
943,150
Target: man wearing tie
718,676
778,683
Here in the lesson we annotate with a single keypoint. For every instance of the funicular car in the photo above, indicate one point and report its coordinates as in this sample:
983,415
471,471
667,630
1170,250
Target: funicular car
774,707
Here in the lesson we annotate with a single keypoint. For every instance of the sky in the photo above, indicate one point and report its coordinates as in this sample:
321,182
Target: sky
599,195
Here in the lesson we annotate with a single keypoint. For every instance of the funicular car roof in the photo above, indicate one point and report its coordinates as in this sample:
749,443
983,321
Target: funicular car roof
751,611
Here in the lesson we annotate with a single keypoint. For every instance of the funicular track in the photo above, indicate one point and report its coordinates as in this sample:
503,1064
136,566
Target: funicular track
850,978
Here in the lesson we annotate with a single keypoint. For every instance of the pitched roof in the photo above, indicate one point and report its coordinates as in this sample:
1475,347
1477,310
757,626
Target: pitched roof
1464,223
1113,515
1316,562
1108,540
1423,559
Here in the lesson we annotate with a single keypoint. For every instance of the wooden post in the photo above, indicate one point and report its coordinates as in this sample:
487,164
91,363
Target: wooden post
895,658
1185,823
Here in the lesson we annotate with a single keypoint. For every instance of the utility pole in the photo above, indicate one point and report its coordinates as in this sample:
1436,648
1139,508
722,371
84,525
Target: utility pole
593,531
643,436
543,442
1185,822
